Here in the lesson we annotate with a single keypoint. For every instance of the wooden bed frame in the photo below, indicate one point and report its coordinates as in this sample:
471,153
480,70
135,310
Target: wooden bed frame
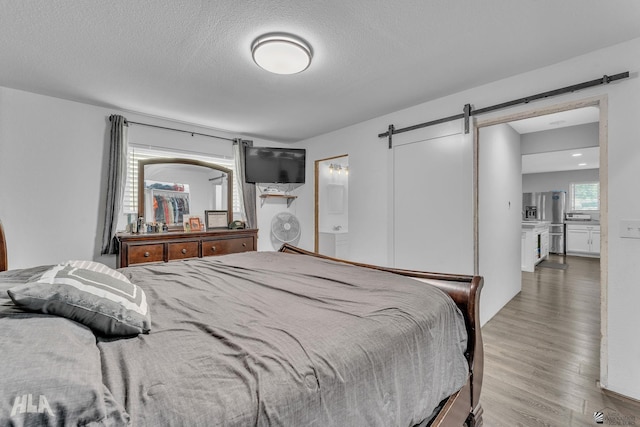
463,407
3,250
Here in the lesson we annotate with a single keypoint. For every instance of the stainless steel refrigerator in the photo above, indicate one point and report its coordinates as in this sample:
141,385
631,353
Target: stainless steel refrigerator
547,206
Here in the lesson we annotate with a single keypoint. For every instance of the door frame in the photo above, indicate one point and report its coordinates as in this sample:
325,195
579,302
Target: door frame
601,102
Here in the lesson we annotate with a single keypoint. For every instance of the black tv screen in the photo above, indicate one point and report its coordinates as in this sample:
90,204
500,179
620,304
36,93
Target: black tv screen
275,165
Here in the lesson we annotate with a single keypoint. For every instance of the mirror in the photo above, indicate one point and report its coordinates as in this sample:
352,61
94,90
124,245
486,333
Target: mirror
170,191
332,206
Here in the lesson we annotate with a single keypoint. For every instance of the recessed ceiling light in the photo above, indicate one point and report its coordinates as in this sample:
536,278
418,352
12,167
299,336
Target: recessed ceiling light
281,53
582,164
577,154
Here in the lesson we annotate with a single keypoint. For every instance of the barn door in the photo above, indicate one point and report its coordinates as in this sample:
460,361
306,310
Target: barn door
433,199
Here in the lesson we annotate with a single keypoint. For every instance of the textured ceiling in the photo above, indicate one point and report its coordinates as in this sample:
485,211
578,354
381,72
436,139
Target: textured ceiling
190,60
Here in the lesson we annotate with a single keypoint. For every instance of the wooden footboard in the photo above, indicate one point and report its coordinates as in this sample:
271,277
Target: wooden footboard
462,407
3,250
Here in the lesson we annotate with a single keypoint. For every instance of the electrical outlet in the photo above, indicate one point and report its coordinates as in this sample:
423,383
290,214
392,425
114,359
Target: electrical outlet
630,228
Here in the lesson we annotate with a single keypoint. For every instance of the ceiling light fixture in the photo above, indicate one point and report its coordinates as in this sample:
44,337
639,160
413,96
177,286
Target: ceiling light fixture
582,164
577,154
281,53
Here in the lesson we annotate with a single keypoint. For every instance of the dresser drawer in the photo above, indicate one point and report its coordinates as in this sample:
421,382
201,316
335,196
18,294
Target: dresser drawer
145,253
182,250
227,246
176,245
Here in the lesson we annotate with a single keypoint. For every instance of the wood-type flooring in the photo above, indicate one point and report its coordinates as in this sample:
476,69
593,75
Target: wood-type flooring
542,353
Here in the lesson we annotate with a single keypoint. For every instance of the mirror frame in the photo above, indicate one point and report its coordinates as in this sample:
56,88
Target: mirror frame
155,161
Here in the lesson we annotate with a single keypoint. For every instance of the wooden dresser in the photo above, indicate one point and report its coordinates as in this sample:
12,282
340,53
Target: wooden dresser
172,246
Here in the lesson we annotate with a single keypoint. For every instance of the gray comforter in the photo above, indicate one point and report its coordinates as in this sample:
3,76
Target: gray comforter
260,339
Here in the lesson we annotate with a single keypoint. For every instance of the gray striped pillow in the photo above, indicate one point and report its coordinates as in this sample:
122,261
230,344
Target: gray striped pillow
96,266
106,304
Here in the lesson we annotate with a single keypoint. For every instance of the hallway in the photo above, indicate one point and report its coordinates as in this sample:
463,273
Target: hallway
542,353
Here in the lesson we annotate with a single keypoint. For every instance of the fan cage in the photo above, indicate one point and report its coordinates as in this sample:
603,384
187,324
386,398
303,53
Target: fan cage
285,227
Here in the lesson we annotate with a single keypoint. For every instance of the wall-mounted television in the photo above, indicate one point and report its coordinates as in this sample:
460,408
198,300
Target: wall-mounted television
270,165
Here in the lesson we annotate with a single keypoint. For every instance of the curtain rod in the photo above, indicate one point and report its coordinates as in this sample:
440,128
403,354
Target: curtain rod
180,130
468,112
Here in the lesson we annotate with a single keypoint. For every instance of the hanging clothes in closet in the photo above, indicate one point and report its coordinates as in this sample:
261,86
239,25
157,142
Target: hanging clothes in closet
170,207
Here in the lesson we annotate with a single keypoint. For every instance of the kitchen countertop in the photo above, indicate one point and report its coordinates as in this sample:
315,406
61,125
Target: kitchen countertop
578,222
534,224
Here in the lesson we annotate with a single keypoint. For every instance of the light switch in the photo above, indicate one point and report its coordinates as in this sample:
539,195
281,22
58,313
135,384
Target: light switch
630,228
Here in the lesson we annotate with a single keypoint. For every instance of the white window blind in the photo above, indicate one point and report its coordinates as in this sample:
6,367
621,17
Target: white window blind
136,153
585,196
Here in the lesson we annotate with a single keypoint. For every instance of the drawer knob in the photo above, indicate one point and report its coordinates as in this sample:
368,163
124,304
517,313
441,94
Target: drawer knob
213,248
244,244
184,251
147,254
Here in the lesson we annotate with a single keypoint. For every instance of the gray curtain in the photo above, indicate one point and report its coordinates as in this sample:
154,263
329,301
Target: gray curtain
247,192
115,182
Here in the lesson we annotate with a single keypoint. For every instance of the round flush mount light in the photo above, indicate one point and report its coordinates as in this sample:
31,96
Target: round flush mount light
281,53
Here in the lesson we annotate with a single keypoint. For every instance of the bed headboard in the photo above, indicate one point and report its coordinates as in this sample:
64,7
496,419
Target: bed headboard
3,250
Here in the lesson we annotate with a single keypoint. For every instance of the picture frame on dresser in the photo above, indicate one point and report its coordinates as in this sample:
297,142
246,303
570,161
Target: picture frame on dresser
195,224
216,219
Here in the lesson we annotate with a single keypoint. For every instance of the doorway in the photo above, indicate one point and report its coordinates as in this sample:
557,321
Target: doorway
332,206
488,259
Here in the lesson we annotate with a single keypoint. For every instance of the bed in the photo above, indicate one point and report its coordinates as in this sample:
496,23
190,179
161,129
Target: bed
286,338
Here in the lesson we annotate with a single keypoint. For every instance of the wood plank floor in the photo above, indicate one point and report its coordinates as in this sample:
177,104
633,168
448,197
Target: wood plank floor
542,353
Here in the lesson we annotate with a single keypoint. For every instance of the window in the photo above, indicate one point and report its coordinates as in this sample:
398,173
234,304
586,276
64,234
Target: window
136,153
585,196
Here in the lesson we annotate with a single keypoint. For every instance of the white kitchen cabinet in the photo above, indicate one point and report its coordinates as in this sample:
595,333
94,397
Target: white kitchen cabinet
544,244
526,258
595,240
578,240
534,244
583,240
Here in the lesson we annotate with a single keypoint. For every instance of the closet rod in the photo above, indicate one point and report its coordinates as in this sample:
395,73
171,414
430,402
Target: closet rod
468,112
180,130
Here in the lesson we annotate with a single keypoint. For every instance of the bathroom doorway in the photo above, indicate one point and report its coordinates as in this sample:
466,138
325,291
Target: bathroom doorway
332,206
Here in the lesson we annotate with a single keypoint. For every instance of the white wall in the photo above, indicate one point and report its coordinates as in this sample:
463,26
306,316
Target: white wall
155,137
500,201
268,210
51,176
369,179
53,166
560,139
368,190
